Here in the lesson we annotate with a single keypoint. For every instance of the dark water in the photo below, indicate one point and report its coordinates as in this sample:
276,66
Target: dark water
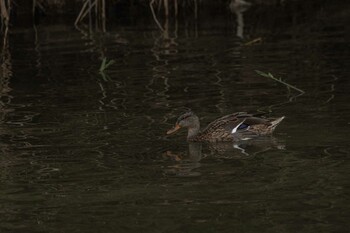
85,153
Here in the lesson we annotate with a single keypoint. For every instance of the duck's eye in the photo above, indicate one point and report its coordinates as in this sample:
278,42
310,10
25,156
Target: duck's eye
185,117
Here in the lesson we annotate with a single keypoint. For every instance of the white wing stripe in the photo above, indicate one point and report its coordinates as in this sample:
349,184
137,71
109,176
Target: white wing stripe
234,130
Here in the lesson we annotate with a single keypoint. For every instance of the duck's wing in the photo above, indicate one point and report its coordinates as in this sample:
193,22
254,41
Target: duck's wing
226,127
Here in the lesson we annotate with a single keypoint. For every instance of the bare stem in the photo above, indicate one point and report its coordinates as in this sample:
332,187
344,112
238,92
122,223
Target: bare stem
269,75
154,15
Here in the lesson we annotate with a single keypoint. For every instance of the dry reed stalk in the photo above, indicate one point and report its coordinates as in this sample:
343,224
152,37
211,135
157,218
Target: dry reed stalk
5,8
103,10
33,9
195,9
175,7
6,65
39,5
155,16
166,8
82,12
100,13
160,3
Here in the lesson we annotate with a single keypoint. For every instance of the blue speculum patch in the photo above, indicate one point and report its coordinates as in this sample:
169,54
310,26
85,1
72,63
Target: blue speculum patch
243,126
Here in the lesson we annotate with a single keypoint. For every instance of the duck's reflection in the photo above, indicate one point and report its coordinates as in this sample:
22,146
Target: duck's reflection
243,148
186,163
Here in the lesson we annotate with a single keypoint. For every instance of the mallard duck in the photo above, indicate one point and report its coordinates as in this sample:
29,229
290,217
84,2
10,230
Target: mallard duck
232,127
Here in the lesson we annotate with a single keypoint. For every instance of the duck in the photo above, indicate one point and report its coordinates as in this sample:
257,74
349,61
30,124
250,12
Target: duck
233,127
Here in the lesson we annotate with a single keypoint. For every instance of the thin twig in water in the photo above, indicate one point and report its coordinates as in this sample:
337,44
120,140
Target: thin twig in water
255,41
269,75
289,88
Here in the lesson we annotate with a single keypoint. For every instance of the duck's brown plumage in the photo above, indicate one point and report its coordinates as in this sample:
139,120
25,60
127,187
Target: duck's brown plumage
232,127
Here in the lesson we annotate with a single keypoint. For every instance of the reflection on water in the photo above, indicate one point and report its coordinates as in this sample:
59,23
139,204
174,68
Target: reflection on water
86,153
187,163
237,7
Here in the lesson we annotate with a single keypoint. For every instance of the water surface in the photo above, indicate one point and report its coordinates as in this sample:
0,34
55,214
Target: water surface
83,152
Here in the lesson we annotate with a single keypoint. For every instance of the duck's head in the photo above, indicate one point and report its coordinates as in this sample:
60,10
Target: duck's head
186,120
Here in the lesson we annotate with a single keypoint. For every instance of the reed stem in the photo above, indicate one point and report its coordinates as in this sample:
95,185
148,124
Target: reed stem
269,75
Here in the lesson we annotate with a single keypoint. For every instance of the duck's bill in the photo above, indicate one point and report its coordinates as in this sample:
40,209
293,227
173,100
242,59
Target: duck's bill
173,130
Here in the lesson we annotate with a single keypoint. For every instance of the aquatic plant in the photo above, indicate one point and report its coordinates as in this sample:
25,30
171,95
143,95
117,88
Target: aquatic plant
291,98
105,64
279,80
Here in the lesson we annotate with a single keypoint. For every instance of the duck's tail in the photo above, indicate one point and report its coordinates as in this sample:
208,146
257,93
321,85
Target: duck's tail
274,123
